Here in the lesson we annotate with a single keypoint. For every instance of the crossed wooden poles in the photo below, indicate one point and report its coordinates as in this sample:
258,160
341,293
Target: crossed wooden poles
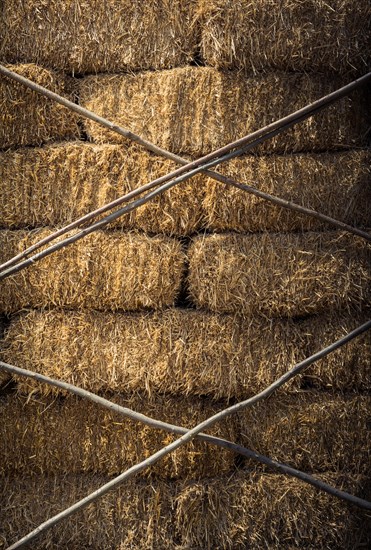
154,188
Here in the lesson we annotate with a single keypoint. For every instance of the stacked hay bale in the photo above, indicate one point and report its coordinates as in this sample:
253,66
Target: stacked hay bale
196,300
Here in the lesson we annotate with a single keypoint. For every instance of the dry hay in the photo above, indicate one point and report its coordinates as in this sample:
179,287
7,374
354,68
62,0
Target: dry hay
278,274
92,36
242,511
181,352
311,431
59,183
337,184
138,515
113,271
348,368
71,435
269,511
289,35
195,110
56,184
27,118
4,376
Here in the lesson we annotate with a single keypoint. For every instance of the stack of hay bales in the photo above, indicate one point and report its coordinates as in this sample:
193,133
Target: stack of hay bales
199,299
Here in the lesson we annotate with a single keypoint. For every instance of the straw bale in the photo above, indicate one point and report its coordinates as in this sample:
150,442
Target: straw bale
269,511
89,36
245,510
194,110
71,435
56,184
102,271
137,515
289,35
27,117
336,184
348,368
180,352
279,274
311,431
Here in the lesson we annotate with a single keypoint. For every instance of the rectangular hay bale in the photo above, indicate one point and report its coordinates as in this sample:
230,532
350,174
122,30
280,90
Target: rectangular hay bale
91,36
288,35
312,431
116,271
71,435
179,352
194,110
246,510
279,274
27,117
57,184
336,184
183,352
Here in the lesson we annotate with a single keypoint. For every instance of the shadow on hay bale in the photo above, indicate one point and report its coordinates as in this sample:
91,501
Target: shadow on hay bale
47,436
244,510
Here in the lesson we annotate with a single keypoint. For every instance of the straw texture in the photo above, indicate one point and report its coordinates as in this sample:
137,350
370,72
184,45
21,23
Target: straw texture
56,184
290,35
196,110
89,36
102,271
183,352
347,369
337,184
47,436
27,117
311,431
279,274
235,512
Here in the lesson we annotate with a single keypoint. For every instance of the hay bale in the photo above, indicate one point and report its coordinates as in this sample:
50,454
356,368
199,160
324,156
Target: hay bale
184,352
336,184
195,110
94,36
139,514
311,431
269,511
47,436
29,118
279,274
180,352
56,184
244,510
102,271
348,368
303,36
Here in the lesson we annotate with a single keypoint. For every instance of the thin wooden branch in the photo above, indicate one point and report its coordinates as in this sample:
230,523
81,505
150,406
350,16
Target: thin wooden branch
191,434
280,125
